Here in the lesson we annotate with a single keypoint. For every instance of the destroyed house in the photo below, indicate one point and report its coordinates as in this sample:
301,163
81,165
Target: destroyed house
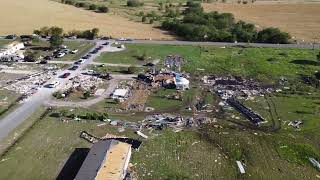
248,113
107,159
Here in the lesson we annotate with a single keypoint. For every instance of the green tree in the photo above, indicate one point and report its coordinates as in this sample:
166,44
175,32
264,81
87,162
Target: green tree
93,7
95,33
86,94
273,35
132,69
55,41
134,3
30,56
144,19
318,56
103,9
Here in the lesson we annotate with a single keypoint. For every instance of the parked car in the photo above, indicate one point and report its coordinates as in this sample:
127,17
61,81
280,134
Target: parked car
65,75
43,62
106,43
63,46
80,61
60,55
94,51
74,51
67,51
48,58
149,64
73,68
86,56
53,84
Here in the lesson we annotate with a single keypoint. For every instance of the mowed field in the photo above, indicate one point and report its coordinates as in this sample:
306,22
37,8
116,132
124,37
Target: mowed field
301,20
22,17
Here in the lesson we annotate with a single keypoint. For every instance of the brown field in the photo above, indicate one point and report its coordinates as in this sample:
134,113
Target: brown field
23,16
301,20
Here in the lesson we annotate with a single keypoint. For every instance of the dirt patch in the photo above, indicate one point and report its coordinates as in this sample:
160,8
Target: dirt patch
301,20
19,17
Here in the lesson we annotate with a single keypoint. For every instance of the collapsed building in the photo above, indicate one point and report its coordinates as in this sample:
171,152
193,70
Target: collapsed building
174,62
168,80
248,113
12,52
29,84
229,89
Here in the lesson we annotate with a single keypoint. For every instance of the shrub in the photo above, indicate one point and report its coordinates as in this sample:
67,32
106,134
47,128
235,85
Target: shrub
273,35
144,19
134,3
103,9
92,7
131,70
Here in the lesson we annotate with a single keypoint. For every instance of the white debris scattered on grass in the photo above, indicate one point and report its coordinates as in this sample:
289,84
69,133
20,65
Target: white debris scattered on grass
29,85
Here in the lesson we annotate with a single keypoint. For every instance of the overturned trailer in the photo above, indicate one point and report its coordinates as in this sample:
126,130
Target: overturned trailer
248,113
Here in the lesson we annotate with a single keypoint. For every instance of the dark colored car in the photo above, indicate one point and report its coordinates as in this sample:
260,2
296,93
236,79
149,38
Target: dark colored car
73,68
65,75
105,44
149,64
48,58
94,51
43,62
86,56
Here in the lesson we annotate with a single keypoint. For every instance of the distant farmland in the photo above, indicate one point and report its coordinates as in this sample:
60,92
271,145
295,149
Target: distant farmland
300,20
22,17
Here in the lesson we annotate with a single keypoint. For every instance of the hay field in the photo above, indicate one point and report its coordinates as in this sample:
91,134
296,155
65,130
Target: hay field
23,16
301,20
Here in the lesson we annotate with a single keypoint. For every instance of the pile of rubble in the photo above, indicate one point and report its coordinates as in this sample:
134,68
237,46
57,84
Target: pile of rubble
137,98
84,82
29,85
162,121
174,62
228,87
166,79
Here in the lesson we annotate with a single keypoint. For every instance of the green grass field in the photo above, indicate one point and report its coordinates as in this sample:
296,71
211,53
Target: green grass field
7,102
133,52
4,42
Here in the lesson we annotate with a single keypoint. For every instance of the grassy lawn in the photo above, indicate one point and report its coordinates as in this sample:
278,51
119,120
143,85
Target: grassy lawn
133,52
159,101
7,102
83,48
4,42
115,70
48,145
183,155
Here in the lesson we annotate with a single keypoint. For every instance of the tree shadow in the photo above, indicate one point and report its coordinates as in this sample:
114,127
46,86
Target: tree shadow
37,48
305,62
72,166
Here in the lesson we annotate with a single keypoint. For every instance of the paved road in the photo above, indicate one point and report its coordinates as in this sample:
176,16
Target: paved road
224,44
218,44
14,119
95,63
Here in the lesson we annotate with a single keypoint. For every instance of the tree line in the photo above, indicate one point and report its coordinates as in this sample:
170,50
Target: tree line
56,34
88,6
197,25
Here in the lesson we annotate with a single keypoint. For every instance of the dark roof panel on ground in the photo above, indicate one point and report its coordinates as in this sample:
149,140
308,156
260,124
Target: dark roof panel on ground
95,158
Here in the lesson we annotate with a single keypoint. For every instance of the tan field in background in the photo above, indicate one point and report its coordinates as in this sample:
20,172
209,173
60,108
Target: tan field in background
23,16
301,20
